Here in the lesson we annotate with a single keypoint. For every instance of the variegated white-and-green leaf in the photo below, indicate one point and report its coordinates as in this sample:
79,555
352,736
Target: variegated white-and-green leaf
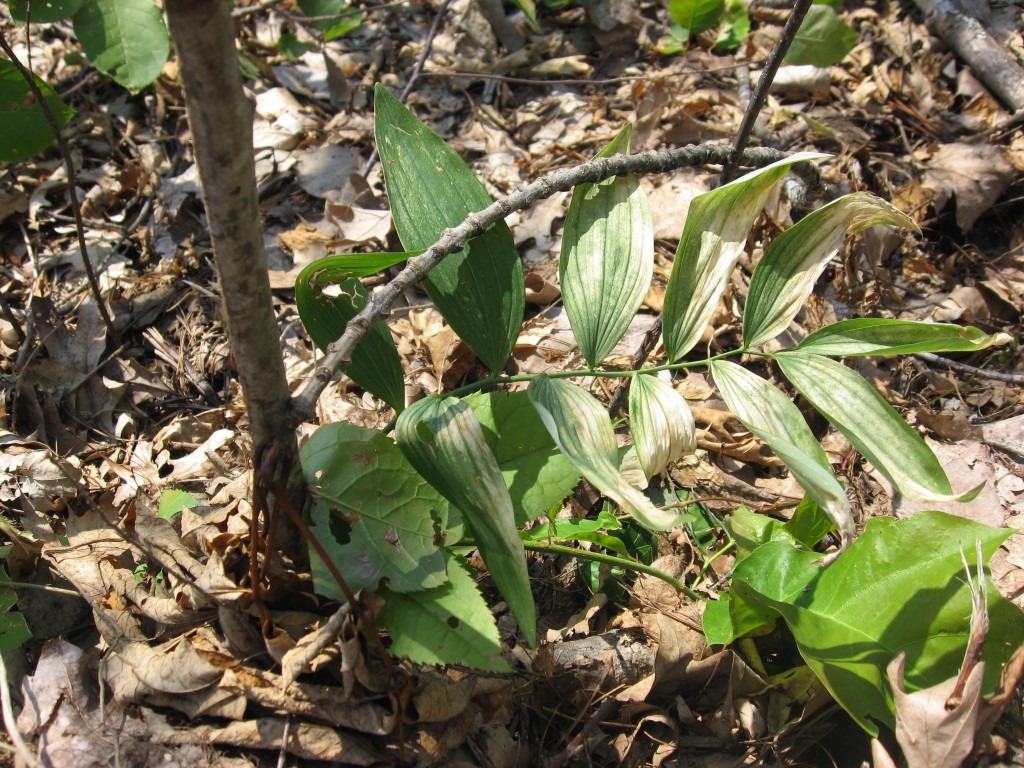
883,337
581,429
714,236
785,275
661,423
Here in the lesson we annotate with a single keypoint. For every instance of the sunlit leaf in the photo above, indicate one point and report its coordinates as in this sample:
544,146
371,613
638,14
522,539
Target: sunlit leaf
125,39
583,432
607,257
697,16
823,39
713,238
735,26
661,423
786,273
878,336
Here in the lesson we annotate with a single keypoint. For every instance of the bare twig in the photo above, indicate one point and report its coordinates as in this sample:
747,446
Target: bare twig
760,95
379,304
981,373
69,165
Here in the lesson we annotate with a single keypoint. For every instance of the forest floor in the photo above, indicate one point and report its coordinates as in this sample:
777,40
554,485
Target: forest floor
95,432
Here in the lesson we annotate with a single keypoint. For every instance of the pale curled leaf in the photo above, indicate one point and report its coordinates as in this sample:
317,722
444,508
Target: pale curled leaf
713,238
785,275
770,415
444,442
661,423
879,336
607,257
583,432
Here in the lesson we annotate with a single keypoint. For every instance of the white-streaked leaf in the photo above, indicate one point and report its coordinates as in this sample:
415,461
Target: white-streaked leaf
878,336
785,275
607,257
444,442
661,423
583,432
716,230
772,416
856,409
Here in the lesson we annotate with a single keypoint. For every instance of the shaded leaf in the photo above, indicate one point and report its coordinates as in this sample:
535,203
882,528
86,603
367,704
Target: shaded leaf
661,423
43,11
878,336
823,39
24,129
125,39
696,16
480,290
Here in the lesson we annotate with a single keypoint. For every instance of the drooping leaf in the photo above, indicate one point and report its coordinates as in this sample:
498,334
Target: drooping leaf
125,39
538,476
449,624
443,440
770,415
661,423
43,11
373,513
172,500
856,409
878,336
583,432
898,588
823,39
375,364
24,129
716,230
480,290
786,273
697,16
735,26
607,257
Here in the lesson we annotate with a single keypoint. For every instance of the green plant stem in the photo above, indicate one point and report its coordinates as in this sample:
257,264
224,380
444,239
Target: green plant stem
40,587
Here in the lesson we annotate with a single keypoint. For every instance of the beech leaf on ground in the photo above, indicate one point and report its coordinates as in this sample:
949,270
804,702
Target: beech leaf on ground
977,174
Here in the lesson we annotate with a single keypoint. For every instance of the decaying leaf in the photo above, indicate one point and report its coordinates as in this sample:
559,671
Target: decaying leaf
976,173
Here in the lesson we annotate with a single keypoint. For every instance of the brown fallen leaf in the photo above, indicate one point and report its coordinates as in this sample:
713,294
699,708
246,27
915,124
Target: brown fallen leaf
976,173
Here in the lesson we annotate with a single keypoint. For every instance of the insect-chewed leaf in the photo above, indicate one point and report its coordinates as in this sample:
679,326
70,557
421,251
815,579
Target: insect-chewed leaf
661,423
856,409
785,275
444,442
770,415
583,432
607,257
480,290
375,365
713,239
879,336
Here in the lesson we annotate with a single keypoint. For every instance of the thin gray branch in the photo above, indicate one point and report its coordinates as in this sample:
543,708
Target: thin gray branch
379,304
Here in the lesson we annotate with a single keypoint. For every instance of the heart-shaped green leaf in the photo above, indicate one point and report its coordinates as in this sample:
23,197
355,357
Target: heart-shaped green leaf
878,336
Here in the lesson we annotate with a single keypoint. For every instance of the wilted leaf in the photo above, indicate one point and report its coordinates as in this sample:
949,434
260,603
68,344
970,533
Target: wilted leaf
661,423
976,173
878,336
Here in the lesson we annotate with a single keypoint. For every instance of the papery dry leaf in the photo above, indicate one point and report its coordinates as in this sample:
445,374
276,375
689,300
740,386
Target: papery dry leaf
976,173
32,474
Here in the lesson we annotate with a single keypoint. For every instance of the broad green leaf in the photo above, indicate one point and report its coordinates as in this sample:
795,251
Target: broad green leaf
172,500
735,26
607,257
375,516
856,409
14,631
480,290
43,11
715,234
900,587
538,476
770,415
583,432
443,440
878,336
661,423
591,530
125,39
449,624
785,275
375,364
697,16
809,523
823,39
24,129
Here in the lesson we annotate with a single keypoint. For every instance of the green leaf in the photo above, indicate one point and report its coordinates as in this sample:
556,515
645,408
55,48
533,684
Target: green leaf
900,587
770,415
607,257
823,38
538,476
337,17
43,11
878,336
480,290
24,130
529,9
583,432
443,440
785,275
735,26
809,524
375,516
14,631
856,409
375,364
125,39
172,500
292,47
696,15
713,238
661,423
450,624
591,530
